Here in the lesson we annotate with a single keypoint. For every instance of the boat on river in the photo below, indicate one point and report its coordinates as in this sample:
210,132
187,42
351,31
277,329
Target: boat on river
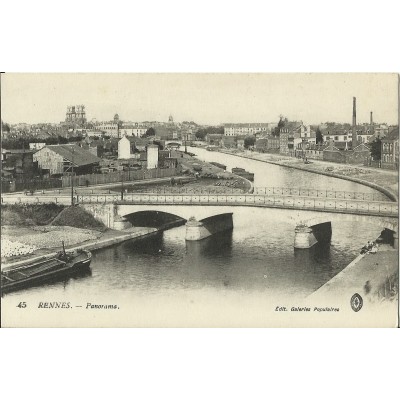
64,264
243,173
216,164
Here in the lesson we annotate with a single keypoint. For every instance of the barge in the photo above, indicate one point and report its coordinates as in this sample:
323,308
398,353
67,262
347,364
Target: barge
64,264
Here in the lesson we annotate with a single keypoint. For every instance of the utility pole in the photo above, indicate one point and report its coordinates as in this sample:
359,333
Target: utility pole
122,186
72,177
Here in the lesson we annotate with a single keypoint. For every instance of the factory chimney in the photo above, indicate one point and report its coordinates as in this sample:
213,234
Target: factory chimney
371,124
354,126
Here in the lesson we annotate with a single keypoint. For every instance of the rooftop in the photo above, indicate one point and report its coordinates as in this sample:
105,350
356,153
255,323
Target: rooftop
74,153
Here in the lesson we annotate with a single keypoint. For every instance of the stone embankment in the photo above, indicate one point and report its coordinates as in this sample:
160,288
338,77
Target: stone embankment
384,181
370,275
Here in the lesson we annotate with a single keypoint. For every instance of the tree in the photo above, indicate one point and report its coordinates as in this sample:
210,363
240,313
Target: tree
281,124
376,149
249,141
150,132
319,137
201,134
5,127
210,130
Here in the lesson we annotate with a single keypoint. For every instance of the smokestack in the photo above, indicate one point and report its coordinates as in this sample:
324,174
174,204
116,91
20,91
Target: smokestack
371,125
354,130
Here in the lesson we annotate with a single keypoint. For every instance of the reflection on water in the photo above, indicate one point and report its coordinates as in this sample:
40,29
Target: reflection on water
257,256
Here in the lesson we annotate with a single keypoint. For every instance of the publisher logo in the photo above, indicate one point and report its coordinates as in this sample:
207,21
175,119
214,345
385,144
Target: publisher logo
356,302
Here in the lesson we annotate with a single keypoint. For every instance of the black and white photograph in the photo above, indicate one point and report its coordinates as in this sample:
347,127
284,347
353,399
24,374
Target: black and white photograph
199,199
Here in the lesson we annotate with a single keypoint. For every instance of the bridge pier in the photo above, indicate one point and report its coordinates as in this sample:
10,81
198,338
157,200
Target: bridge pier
304,237
198,230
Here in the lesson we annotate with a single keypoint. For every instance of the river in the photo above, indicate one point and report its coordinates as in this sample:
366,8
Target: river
256,257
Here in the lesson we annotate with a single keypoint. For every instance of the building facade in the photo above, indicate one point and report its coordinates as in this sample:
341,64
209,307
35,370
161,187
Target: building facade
109,128
342,152
268,144
390,150
249,129
59,159
152,156
132,130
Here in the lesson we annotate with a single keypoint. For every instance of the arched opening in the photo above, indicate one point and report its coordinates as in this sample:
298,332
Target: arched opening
154,219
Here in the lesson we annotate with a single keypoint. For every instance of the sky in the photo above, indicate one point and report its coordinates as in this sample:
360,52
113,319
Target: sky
203,98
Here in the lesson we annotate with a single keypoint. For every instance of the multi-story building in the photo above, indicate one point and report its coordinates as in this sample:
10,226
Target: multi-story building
249,129
343,133
291,134
380,130
132,130
109,128
390,150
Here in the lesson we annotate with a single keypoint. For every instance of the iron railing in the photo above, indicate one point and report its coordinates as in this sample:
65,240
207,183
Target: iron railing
327,193
256,200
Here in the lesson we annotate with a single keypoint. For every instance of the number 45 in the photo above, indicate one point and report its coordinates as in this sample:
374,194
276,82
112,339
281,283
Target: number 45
22,304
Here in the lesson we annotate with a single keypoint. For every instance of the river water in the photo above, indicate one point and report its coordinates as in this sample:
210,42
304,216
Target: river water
256,257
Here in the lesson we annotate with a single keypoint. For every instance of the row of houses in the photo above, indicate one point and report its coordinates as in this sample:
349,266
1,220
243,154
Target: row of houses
299,140
249,129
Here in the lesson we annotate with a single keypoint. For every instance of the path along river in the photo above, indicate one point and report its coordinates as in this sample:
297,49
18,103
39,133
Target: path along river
256,257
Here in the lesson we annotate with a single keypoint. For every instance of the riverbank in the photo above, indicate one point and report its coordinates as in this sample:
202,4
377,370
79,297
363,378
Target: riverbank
106,239
385,181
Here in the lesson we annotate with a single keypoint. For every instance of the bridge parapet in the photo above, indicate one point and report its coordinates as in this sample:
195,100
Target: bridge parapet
361,207
317,193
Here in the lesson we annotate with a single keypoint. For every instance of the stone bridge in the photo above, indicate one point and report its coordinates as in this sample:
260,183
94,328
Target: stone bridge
206,214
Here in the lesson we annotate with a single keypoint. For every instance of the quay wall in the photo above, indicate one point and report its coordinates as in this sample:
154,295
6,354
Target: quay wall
392,196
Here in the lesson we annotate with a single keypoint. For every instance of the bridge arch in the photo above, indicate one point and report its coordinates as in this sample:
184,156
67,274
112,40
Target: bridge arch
153,218
319,228
384,223
181,211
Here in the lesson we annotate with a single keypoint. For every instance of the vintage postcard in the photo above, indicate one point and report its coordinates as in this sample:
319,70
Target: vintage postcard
199,200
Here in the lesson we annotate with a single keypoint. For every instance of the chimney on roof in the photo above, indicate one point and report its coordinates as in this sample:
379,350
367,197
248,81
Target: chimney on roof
354,127
370,119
